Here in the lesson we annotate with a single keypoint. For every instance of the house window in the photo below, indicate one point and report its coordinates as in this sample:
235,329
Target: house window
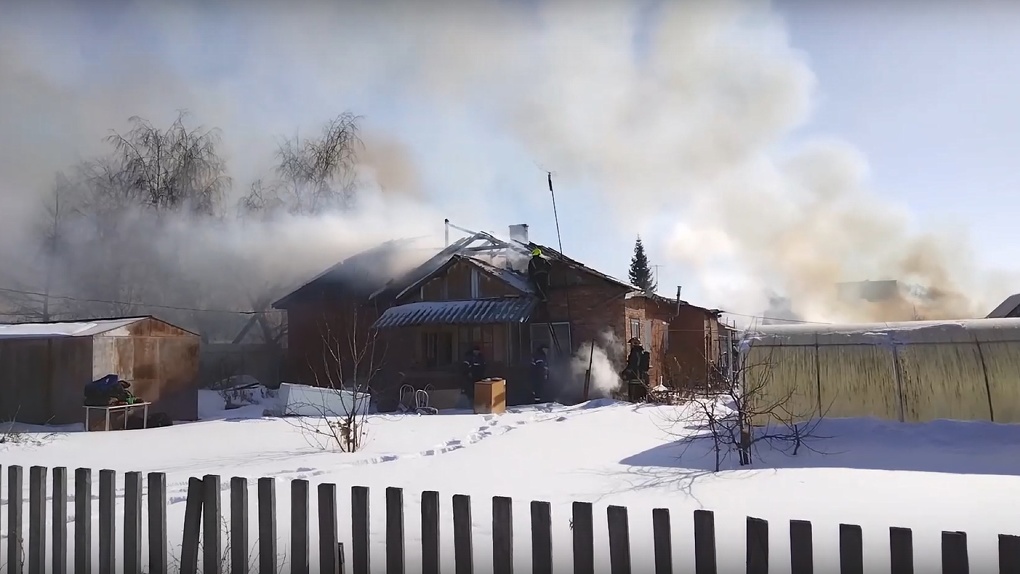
635,328
482,336
475,284
541,333
437,349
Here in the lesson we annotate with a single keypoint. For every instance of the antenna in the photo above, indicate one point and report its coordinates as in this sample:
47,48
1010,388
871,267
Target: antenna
556,216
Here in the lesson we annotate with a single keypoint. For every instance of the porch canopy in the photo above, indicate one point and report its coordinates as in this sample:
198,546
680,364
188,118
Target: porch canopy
470,312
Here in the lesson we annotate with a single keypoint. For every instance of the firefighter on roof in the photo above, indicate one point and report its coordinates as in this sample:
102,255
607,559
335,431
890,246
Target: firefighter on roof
538,272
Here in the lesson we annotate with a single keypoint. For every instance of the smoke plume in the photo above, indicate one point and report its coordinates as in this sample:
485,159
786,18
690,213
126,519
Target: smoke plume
602,357
688,126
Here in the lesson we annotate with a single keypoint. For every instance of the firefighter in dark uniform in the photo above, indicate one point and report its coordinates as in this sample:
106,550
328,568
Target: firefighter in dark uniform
635,374
538,272
539,372
474,371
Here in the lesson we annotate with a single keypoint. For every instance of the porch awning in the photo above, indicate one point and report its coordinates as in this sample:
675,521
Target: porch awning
473,312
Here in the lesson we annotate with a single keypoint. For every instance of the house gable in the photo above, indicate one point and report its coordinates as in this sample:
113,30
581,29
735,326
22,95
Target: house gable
465,278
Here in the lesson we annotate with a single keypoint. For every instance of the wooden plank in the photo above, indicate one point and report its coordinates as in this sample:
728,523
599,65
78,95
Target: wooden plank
502,535
212,524
37,519
802,559
901,551
15,518
394,531
329,530
954,553
851,549
541,537
107,520
192,527
361,557
583,526
463,550
239,525
704,542
157,523
757,543
430,532
267,526
58,556
662,538
619,540
133,523
299,547
1009,553
82,521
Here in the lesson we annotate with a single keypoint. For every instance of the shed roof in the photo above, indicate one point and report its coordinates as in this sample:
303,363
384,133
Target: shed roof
963,330
472,312
1006,308
49,330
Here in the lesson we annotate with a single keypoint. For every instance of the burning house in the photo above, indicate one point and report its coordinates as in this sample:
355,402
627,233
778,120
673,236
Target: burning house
417,326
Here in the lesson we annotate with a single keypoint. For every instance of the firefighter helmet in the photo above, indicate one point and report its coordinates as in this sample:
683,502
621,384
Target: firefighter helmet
536,252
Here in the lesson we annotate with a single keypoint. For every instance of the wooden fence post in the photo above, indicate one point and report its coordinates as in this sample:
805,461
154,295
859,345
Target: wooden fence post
541,538
619,540
430,529
37,519
299,546
192,527
133,523
954,553
59,544
901,551
329,535
394,531
212,523
851,549
583,526
801,548
1009,553
238,525
662,539
704,542
502,535
157,523
463,550
757,543
267,526
107,521
15,510
82,521
361,556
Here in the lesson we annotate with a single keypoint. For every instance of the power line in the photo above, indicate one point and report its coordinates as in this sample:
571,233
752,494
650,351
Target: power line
115,302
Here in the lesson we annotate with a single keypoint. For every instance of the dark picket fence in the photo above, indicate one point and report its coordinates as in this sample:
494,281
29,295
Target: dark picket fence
203,528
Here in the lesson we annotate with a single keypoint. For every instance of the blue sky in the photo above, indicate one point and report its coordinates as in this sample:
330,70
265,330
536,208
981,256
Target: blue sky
920,101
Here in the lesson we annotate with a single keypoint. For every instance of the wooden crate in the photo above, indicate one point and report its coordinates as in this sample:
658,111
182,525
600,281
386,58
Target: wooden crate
490,397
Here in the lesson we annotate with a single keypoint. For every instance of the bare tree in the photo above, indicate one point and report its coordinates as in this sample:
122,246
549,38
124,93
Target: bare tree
747,413
350,368
314,175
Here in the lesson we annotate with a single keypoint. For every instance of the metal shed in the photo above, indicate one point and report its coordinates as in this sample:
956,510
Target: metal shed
44,367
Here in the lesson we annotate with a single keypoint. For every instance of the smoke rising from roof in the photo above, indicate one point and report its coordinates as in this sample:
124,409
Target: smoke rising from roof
687,124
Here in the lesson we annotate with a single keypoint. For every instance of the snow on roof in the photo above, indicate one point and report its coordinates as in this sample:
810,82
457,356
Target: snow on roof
69,329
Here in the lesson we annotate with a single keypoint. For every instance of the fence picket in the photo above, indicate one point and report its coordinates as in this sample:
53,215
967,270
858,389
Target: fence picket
361,556
299,547
502,535
851,549
541,537
662,538
82,521
133,523
59,516
954,553
394,531
329,535
15,516
238,525
212,524
463,552
583,525
37,519
430,532
901,551
757,543
801,548
192,526
1009,553
107,521
267,526
704,542
157,523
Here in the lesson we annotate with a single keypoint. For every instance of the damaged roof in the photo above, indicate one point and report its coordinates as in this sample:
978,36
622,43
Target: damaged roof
471,312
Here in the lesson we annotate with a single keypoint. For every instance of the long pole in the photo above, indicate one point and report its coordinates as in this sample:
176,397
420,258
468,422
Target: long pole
587,374
556,217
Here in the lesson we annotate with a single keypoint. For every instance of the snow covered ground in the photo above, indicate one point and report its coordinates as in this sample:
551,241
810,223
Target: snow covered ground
929,477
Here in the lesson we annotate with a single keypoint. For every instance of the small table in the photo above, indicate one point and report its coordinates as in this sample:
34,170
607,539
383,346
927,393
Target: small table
126,408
